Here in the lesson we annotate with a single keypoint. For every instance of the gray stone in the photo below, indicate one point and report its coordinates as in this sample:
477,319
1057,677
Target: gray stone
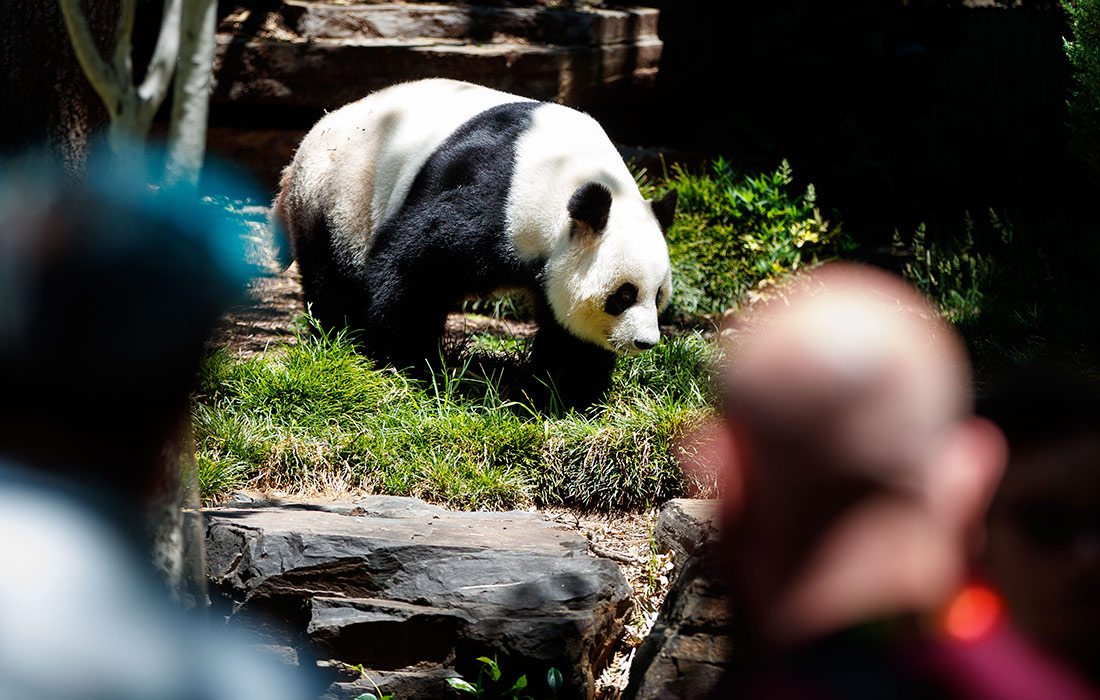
689,647
323,20
412,684
685,523
394,583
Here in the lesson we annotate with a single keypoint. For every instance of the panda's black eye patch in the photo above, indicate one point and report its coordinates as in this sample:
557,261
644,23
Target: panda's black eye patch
621,299
660,295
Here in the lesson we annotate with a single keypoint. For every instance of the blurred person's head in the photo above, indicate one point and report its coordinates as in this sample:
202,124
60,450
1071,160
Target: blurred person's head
1043,543
853,469
108,290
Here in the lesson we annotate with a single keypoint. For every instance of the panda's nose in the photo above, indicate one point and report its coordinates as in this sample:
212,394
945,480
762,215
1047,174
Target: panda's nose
644,344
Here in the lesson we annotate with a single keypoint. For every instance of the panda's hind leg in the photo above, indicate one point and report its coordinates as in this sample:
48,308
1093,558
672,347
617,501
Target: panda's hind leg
337,298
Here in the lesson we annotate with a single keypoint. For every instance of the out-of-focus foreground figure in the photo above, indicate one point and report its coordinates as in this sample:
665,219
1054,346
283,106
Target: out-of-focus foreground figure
1043,545
855,479
107,293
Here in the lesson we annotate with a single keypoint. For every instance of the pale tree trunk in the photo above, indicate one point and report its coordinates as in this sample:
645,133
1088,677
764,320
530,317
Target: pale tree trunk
191,99
185,46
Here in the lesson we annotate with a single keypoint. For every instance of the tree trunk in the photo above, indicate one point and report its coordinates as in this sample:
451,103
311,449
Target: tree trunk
49,104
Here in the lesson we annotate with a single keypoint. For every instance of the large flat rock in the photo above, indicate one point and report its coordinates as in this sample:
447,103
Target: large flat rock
393,583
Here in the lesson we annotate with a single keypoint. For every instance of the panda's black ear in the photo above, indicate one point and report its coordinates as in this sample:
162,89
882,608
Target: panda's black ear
664,209
590,206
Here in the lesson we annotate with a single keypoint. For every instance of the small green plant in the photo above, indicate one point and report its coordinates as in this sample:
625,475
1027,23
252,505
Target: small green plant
954,273
490,683
734,232
377,694
510,305
499,345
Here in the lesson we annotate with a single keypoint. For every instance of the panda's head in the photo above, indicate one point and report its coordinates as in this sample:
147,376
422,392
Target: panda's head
609,278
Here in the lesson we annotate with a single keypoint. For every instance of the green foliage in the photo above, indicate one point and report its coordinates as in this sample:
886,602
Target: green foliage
955,273
510,305
491,683
734,232
1083,53
1017,293
500,345
317,414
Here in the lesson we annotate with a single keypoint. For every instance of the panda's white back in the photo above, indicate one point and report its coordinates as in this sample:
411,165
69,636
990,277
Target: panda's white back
357,164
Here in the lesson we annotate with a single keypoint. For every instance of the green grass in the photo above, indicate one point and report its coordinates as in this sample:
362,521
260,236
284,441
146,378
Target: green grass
316,413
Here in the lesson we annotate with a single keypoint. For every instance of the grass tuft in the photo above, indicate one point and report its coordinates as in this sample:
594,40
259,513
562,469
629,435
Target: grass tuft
316,413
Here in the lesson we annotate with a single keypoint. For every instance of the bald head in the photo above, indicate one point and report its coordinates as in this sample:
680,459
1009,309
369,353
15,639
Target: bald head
850,373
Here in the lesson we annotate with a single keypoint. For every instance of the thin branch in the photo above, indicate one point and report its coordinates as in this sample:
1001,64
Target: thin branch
123,60
154,88
608,553
100,74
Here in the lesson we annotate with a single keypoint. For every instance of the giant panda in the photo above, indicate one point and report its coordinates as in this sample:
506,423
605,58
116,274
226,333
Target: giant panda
404,203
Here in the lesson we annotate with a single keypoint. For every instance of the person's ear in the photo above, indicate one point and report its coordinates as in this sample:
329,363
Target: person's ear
965,473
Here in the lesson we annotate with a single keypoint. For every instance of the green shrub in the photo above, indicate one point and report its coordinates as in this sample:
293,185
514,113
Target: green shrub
1083,104
1017,292
955,273
734,232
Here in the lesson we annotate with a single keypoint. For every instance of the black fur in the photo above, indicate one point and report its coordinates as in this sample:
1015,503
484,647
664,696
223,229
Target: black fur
591,205
565,371
447,241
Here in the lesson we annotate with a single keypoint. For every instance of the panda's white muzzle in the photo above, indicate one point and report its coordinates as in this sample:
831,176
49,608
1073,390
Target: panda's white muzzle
636,332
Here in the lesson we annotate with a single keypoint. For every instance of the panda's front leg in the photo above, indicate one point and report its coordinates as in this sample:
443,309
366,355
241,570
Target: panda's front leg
407,314
567,372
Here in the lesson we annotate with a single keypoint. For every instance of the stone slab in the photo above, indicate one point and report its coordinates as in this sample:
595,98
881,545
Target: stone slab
394,584
329,73
326,20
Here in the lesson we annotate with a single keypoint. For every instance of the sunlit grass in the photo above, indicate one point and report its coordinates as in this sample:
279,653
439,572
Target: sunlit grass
316,413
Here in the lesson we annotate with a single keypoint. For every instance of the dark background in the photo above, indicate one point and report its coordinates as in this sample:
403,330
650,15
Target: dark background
898,113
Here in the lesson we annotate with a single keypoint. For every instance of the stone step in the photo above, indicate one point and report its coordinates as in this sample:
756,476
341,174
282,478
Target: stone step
327,20
328,73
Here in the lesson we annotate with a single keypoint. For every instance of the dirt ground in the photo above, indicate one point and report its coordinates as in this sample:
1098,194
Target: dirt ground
268,319
275,303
